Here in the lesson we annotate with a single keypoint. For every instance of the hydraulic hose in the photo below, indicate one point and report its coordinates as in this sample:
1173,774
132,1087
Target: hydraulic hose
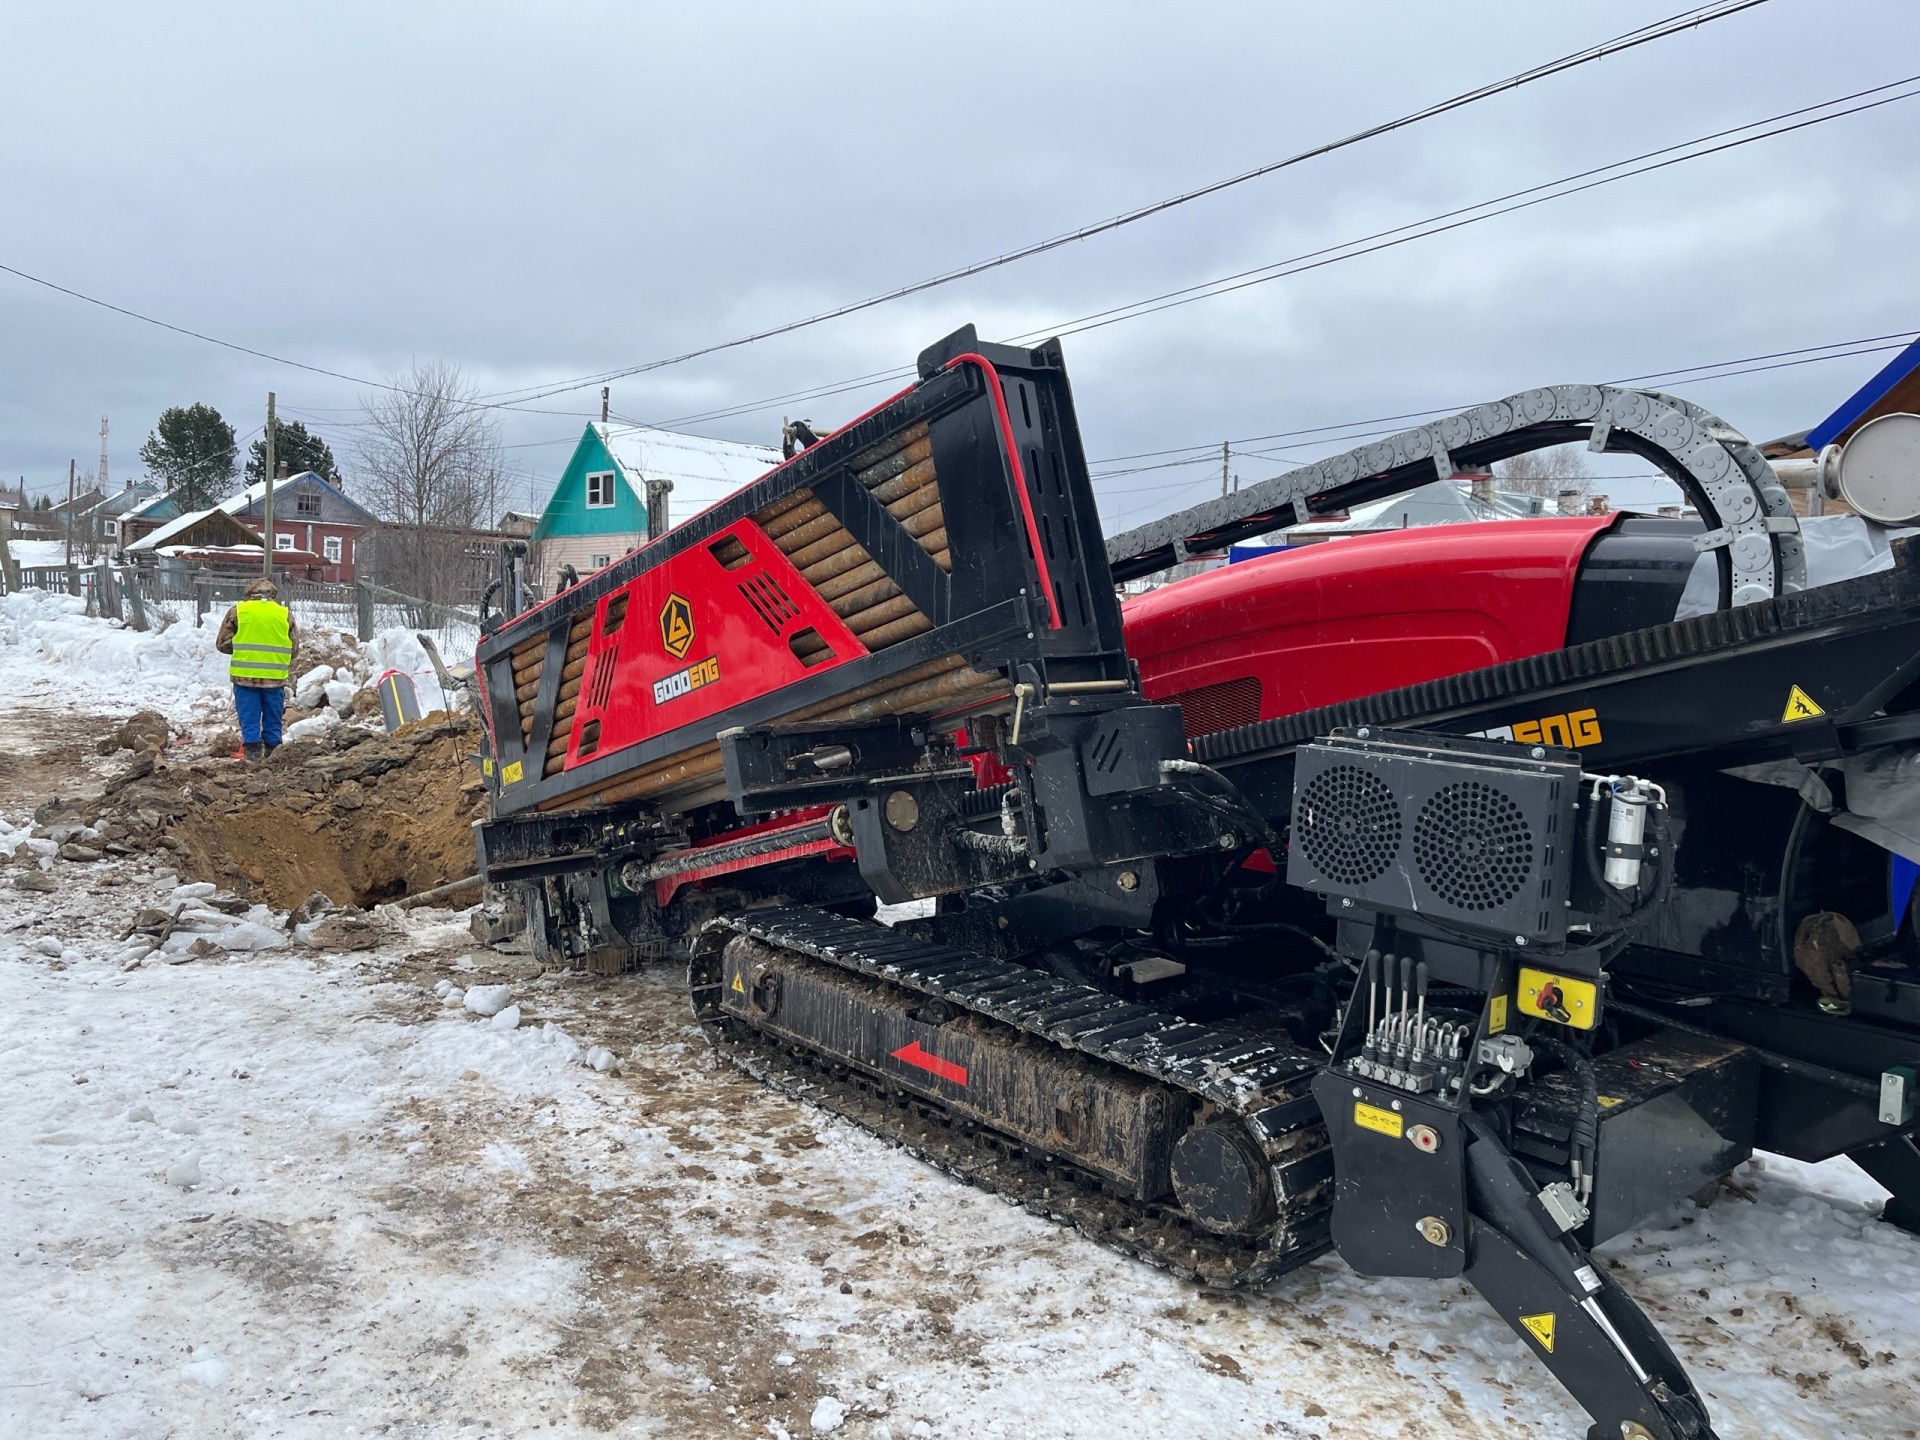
1584,1142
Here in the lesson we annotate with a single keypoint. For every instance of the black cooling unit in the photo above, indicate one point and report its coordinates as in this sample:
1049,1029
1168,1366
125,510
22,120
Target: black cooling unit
1475,834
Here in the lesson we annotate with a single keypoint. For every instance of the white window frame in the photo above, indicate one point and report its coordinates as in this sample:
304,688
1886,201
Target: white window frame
282,540
599,562
332,547
607,479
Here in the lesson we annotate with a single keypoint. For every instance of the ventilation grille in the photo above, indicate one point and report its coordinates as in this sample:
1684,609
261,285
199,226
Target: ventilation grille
1473,846
1348,823
769,601
1207,708
603,667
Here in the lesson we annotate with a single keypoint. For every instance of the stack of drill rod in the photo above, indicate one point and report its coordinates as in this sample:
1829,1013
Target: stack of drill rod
899,473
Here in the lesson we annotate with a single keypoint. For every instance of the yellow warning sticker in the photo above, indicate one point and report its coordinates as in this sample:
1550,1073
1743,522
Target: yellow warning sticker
1372,1117
510,774
1496,1014
738,988
1541,1328
1800,706
486,765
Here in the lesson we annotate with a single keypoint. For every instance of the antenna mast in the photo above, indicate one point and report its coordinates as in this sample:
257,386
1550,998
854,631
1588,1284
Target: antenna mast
103,455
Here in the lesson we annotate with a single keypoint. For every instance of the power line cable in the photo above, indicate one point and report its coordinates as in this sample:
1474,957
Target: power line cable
1690,19
1492,209
1803,117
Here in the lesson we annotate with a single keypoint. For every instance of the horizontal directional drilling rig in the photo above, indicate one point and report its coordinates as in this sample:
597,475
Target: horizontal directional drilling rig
1438,900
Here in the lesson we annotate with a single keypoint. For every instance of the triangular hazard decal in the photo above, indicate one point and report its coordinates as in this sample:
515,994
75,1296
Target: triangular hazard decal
1800,706
1541,1328
738,988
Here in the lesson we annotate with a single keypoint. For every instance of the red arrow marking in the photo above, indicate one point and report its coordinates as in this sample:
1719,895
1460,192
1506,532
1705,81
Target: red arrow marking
945,1069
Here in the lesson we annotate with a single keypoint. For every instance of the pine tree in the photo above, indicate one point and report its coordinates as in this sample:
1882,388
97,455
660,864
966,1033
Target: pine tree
191,452
294,447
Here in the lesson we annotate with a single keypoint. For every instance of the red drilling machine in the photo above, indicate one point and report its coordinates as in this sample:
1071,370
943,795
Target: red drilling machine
1439,898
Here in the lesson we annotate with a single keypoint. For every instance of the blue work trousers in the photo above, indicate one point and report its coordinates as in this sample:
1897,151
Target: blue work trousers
259,709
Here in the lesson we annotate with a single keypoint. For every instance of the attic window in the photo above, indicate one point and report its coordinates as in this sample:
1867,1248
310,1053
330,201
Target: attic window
599,489
307,502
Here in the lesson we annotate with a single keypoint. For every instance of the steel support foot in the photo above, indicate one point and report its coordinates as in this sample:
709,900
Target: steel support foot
1583,1327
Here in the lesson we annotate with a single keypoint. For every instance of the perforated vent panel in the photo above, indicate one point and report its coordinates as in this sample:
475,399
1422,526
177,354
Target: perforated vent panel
1473,846
1468,833
1207,708
1349,824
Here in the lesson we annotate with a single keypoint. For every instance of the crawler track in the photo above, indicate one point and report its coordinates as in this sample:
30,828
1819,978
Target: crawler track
1262,1080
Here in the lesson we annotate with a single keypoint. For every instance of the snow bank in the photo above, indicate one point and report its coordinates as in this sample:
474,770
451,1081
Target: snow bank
49,648
402,650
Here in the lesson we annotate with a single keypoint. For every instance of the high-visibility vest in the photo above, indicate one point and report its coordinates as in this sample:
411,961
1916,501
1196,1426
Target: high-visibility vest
262,641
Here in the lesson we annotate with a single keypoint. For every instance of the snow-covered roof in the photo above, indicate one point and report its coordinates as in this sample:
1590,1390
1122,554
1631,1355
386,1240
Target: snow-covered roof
704,472
179,525
255,494
240,551
145,505
154,539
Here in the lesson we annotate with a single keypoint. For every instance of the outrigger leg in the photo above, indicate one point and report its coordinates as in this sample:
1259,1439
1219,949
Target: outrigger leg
1585,1328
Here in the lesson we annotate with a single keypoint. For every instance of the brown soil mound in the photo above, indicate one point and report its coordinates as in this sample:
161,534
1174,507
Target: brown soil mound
358,816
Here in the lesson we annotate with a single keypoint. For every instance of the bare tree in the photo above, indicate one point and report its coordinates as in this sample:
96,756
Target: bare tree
1547,472
432,468
430,454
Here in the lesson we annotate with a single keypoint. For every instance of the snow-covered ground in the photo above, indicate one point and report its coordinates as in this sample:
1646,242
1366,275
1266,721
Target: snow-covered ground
290,1192
51,652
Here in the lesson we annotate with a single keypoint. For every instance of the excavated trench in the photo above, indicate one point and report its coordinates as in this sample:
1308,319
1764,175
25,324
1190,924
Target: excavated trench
355,815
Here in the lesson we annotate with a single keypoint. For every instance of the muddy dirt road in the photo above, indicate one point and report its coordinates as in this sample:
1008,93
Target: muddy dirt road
296,1191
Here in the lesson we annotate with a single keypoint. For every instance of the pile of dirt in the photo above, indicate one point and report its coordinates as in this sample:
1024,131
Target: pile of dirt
355,815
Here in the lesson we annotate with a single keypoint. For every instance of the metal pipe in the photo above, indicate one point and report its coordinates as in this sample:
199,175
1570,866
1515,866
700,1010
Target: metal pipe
902,629
450,888
883,614
905,483
810,531
856,600
925,522
851,558
845,583
913,502
808,556
792,517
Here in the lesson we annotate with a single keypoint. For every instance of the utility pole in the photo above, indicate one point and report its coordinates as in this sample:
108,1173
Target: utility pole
103,455
1226,459
70,470
266,561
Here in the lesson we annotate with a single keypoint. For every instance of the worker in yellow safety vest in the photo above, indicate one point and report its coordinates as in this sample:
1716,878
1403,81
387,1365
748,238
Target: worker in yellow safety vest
260,636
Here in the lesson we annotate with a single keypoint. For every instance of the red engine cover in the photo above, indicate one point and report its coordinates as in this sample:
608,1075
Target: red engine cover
1346,618
709,629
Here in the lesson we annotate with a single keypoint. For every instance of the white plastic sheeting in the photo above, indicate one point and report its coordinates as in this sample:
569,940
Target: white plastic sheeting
1839,547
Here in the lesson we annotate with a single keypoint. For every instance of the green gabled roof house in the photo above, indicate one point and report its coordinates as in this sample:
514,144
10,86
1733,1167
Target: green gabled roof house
600,509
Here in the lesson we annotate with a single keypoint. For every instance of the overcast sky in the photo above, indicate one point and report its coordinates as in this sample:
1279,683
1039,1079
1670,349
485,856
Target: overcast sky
542,192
